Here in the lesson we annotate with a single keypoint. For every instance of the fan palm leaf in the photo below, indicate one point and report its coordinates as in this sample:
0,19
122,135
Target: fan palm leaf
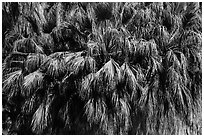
54,66
83,65
131,83
108,77
13,83
32,82
42,117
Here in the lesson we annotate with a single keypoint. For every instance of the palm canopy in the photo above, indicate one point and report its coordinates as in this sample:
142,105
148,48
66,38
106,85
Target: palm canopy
102,68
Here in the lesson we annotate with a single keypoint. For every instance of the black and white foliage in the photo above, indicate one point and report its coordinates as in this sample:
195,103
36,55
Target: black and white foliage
102,68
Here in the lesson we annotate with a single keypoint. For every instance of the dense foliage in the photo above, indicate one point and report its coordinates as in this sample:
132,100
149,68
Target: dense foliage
102,68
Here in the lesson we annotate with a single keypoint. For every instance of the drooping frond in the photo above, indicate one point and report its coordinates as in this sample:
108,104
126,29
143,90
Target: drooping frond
70,56
108,76
42,117
13,83
86,86
178,92
32,82
31,104
64,113
82,65
155,64
122,115
54,66
95,109
131,83
143,48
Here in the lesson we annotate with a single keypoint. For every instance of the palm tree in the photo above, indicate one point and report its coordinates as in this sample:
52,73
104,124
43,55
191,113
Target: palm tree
103,68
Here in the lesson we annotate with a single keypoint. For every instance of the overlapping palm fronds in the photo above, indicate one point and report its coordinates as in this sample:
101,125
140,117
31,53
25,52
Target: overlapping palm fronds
103,68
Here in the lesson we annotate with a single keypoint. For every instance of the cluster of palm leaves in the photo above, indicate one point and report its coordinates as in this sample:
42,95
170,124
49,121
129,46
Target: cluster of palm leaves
102,68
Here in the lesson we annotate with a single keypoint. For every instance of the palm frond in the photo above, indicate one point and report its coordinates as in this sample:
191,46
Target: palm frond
31,104
13,83
28,45
70,56
131,83
178,92
108,76
93,48
95,109
82,65
54,66
143,48
42,117
86,86
172,59
34,61
156,65
32,82
191,18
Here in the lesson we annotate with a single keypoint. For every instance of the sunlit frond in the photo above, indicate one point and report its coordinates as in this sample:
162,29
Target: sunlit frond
32,82
13,83
81,65
143,48
54,66
131,83
70,56
42,117
108,76
86,86
95,109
